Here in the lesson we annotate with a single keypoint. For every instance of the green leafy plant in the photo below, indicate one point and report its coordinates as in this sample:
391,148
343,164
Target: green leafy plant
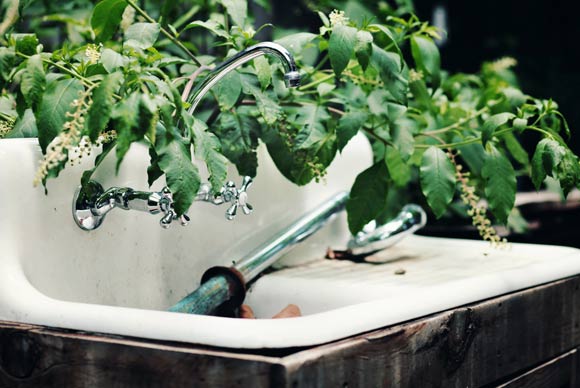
123,72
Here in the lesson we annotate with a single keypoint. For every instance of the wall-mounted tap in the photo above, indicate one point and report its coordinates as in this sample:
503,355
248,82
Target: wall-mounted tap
92,203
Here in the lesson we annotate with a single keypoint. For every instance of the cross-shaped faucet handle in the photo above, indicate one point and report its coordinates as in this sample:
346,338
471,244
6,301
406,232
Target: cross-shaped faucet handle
166,207
239,197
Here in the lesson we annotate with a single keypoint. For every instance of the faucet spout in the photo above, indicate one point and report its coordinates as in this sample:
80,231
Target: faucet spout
291,76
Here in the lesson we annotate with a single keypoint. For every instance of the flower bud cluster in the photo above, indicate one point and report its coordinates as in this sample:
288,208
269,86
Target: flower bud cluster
476,211
5,127
58,150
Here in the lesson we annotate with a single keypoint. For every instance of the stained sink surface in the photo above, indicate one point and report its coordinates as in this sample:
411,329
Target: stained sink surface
120,278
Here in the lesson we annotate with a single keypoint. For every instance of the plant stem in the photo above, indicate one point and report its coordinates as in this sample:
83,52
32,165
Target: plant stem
73,73
457,124
5,117
474,140
318,67
534,128
373,134
317,82
353,76
336,111
169,36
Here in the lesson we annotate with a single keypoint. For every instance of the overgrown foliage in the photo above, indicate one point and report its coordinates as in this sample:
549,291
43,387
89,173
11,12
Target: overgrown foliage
122,73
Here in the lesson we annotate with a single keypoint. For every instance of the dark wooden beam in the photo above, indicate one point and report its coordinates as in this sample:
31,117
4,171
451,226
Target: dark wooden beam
531,333
471,346
559,372
34,356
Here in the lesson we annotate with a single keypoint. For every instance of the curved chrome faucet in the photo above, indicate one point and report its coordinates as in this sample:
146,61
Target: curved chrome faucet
291,77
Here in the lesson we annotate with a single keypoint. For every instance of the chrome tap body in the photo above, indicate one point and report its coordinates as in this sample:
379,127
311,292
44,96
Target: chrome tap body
92,203
291,76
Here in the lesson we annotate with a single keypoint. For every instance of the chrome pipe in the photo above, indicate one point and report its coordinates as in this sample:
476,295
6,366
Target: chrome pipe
268,253
291,76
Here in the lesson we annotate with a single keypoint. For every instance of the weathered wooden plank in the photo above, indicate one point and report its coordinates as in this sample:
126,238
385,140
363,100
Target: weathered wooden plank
467,347
32,356
473,346
556,373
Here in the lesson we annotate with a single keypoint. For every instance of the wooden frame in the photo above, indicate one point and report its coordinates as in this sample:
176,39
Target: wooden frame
520,339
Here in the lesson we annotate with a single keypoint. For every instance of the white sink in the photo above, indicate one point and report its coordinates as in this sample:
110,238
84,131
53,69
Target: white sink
122,277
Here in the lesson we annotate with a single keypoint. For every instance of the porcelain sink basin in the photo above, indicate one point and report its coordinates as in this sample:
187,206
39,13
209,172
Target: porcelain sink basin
121,278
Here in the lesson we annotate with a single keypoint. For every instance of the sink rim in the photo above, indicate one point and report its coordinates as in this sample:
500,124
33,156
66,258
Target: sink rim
28,305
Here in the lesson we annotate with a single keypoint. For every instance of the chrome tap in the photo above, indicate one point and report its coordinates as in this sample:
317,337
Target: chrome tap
92,203
291,77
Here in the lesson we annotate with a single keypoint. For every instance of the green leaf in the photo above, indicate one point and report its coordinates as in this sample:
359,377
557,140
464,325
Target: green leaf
398,169
392,72
228,90
238,136
348,127
298,165
207,147
99,112
418,88
368,196
437,176
493,123
547,156
154,172
474,156
381,104
500,184
112,60
33,81
427,58
124,119
142,35
7,57
363,48
516,149
55,104
268,108
324,88
312,119
392,42
182,176
26,43
238,10
295,43
568,172
210,25
106,18
402,137
133,118
25,126
341,47
520,124
263,71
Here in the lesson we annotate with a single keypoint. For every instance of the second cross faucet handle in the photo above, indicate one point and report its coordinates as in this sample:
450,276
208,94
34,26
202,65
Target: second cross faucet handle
164,201
239,197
